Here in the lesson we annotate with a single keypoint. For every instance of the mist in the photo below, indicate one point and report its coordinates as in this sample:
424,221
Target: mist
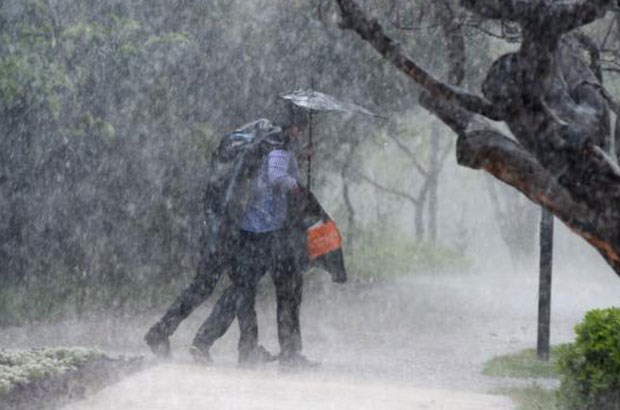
110,112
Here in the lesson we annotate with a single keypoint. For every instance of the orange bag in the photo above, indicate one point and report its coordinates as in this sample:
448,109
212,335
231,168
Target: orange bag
323,242
323,237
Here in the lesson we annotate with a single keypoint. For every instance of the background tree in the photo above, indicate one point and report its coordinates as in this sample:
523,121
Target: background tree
424,155
518,222
108,114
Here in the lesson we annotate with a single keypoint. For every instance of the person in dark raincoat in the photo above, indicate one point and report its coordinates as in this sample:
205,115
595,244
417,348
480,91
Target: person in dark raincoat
267,241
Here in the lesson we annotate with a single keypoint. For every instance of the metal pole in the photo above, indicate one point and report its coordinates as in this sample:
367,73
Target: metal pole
544,290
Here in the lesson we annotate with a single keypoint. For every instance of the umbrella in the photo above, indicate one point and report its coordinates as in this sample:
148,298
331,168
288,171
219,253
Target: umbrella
317,101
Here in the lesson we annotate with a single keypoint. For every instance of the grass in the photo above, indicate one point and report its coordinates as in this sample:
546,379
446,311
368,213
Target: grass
522,364
532,397
525,364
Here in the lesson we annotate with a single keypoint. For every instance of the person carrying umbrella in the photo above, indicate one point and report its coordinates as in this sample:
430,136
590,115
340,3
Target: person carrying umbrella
268,239
266,243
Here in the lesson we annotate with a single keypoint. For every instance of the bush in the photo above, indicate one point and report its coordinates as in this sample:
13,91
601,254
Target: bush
591,366
19,368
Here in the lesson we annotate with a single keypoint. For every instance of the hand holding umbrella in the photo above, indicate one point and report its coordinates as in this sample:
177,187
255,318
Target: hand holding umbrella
317,101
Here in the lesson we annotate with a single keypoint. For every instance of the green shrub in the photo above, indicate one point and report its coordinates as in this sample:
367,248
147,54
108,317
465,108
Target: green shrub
25,366
591,366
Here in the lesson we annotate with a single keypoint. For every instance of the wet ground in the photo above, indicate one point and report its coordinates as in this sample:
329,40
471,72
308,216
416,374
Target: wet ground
186,386
376,341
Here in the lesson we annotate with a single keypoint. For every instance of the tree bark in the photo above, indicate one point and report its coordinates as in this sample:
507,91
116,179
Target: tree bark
433,189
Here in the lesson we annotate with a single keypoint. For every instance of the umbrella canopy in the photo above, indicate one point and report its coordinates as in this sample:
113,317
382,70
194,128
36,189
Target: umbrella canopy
318,101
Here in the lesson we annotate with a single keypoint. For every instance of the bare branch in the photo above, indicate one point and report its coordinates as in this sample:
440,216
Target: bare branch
391,191
410,155
444,154
607,34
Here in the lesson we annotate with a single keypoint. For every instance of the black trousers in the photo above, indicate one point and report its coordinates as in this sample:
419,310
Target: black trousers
259,253
213,263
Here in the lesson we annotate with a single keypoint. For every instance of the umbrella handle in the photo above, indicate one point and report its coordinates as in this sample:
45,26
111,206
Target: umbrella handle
309,171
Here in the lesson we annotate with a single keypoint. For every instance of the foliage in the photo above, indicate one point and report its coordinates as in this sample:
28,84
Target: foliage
532,397
109,110
92,217
24,366
37,302
108,113
523,364
383,252
590,366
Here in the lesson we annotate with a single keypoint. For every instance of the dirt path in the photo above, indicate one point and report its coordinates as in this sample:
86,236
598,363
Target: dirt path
376,341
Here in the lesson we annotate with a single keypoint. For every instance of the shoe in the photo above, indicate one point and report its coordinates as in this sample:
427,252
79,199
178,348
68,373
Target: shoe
200,354
256,356
159,344
297,361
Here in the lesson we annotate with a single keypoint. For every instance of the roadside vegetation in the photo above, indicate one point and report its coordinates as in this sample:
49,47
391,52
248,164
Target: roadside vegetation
47,377
22,367
532,397
525,364
383,253
380,254
588,370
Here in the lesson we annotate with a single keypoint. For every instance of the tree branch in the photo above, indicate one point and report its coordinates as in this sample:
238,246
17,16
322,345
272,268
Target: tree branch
390,191
370,30
510,163
566,15
409,155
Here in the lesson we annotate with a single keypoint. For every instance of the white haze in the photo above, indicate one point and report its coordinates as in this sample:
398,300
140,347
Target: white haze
427,332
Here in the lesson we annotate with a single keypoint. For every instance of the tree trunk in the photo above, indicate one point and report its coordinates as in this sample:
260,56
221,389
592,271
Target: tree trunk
350,232
433,189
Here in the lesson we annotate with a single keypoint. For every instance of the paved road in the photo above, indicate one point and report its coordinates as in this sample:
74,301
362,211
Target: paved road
188,387
403,339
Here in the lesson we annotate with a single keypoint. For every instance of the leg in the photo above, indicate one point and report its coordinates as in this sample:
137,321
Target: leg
238,299
288,280
218,322
251,270
289,285
209,272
